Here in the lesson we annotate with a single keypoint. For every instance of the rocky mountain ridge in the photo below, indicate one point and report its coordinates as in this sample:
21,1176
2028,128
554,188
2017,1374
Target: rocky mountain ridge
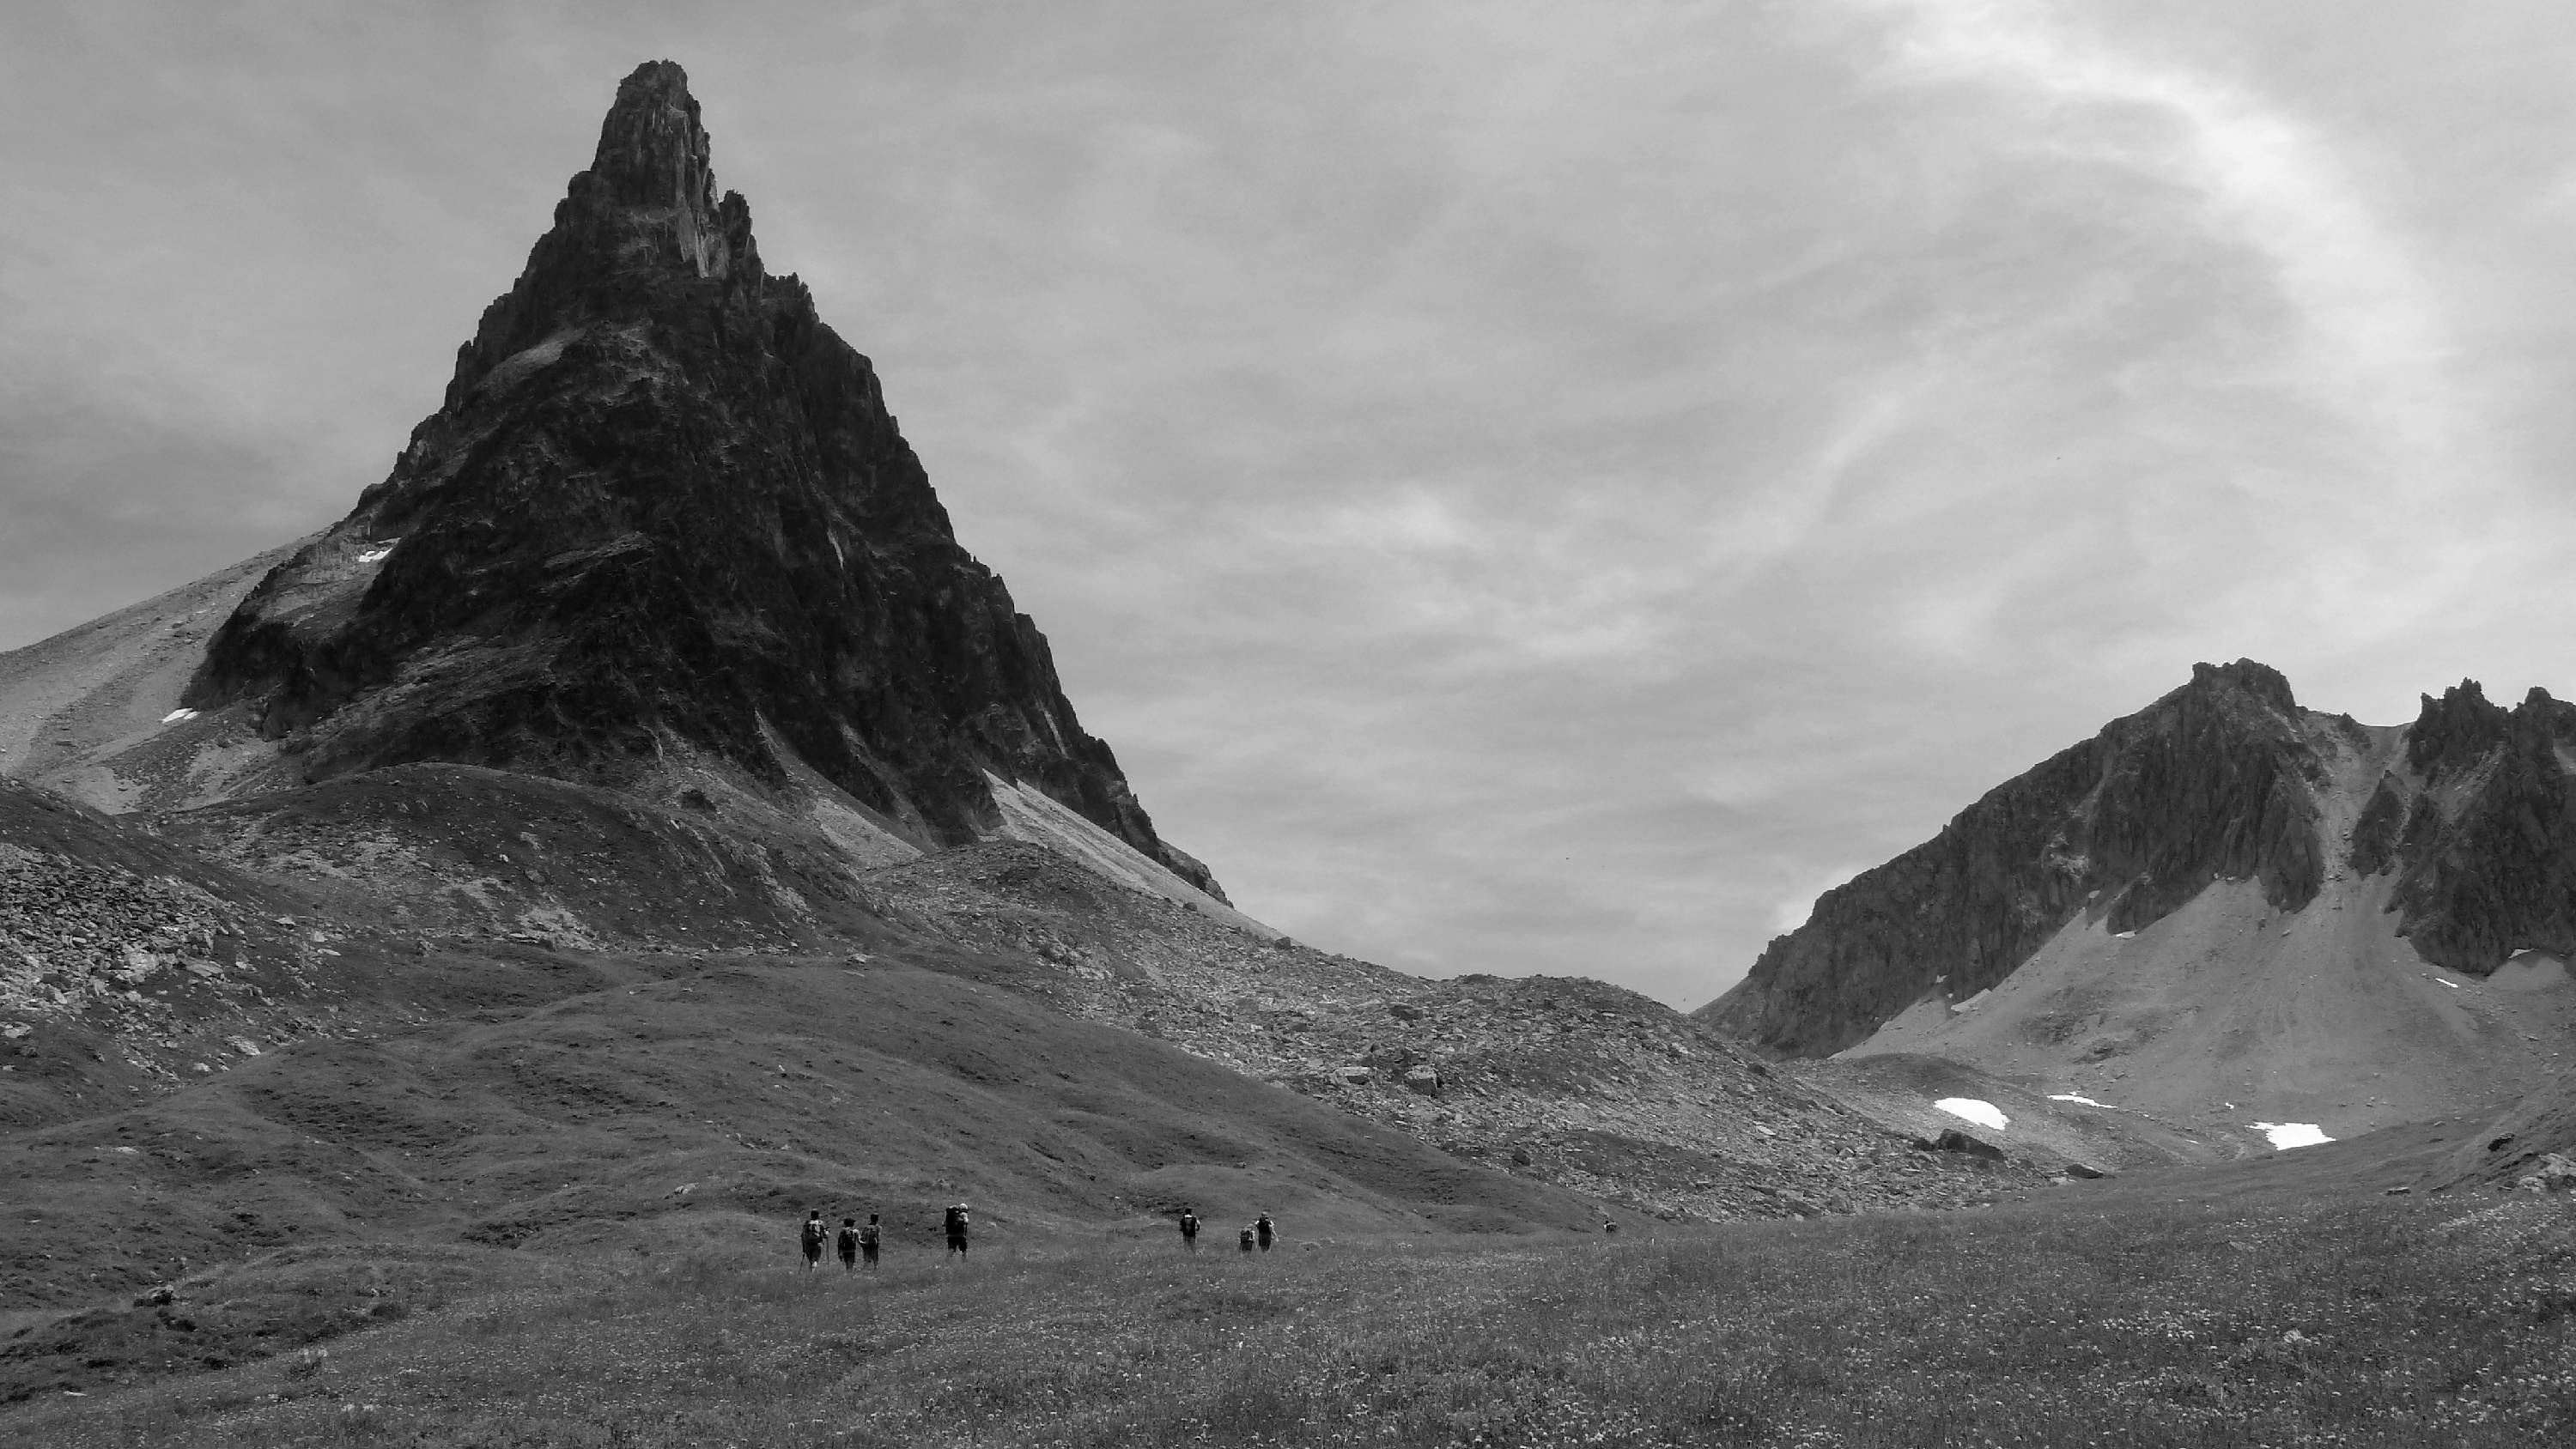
2224,780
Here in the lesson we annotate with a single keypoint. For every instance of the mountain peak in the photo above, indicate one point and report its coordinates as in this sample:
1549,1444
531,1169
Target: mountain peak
652,150
649,200
663,516
2457,728
2209,783
2259,680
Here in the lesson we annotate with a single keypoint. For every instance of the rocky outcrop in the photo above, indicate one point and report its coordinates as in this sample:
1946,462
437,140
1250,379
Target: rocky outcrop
2211,780
2489,856
2456,730
663,509
2381,828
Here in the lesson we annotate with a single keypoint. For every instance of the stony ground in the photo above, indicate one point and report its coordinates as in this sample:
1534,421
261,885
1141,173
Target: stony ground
1570,1081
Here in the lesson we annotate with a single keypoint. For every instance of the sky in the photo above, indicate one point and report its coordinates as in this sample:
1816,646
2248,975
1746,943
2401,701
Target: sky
1523,487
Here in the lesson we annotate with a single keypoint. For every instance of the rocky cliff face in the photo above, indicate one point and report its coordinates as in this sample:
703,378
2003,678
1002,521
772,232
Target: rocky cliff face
2487,856
2226,777
663,509
2212,779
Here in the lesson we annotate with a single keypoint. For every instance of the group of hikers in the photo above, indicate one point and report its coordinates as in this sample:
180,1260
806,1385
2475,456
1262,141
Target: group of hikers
858,1244
1257,1235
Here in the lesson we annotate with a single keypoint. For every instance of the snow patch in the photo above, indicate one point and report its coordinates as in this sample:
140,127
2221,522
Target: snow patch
379,553
2451,984
2286,1135
2125,936
2071,1097
1984,1114
176,715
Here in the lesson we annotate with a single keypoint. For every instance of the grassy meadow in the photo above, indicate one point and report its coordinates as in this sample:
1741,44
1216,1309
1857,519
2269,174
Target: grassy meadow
2379,1322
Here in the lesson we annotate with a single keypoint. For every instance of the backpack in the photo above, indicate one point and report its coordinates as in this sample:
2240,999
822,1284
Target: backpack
812,1233
868,1235
849,1241
956,1221
1189,1225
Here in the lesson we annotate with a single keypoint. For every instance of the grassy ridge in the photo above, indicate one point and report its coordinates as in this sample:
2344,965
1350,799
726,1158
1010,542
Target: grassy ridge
2347,1324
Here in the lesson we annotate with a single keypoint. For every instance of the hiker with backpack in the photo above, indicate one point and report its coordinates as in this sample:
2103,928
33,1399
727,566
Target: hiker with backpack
849,1244
810,1237
956,1229
1189,1229
868,1243
1244,1241
1262,1231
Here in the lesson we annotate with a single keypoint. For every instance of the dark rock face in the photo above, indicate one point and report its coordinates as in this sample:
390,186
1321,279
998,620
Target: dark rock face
2458,729
2381,829
663,507
2210,780
2489,856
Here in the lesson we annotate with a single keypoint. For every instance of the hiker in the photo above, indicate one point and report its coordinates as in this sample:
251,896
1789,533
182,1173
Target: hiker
1262,1230
956,1228
868,1243
1245,1241
810,1238
849,1244
1189,1230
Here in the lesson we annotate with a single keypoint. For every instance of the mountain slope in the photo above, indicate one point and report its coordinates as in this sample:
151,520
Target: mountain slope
94,711
2208,781
1573,1082
349,1035
2224,907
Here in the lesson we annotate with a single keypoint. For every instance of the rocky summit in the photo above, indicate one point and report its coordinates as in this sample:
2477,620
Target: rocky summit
664,514
2211,780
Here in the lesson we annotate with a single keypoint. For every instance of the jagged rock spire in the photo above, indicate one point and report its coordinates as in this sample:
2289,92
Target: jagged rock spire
652,151
664,510
652,164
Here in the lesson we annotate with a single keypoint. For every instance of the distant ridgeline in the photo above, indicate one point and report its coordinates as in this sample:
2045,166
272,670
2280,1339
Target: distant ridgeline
663,507
2227,777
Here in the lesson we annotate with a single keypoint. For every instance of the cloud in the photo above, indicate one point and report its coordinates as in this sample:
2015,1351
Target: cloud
2372,340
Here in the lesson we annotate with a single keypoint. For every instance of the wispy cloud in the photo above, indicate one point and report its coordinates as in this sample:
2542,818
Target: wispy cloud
2371,340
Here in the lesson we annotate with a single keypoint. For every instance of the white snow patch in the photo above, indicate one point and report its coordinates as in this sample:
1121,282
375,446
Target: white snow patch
379,553
2071,1097
2286,1135
1984,1114
2451,984
176,715
2126,936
